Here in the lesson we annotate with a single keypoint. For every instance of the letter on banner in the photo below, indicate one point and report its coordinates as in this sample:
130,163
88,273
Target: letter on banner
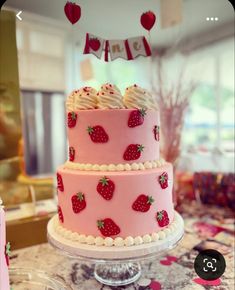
117,49
127,49
139,46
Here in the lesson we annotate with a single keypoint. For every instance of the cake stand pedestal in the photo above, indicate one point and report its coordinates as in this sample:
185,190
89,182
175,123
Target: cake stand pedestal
116,266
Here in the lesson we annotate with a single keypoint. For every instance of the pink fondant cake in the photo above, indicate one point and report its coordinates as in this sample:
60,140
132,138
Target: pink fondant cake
114,190
4,259
114,123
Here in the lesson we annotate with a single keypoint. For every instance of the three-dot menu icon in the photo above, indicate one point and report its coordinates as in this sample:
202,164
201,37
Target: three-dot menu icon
212,19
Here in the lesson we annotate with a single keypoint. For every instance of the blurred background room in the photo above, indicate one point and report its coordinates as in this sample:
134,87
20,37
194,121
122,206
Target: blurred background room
190,72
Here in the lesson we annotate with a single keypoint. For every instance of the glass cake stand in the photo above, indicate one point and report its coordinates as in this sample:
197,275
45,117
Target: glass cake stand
31,279
120,265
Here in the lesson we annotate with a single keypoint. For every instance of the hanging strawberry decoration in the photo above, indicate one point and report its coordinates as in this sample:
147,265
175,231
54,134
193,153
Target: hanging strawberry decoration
7,253
163,180
72,11
148,20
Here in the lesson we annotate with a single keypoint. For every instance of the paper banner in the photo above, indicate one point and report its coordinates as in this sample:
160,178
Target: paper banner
117,49
128,49
139,46
94,45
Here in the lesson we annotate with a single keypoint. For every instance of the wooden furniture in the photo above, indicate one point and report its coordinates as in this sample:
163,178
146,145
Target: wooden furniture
27,232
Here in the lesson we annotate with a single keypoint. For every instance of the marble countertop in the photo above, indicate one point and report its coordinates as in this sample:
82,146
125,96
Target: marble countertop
156,274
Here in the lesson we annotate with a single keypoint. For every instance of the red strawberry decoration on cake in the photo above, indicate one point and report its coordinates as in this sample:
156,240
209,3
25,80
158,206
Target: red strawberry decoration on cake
108,227
133,152
162,218
7,253
98,134
78,202
60,184
142,203
60,214
163,180
106,188
136,118
72,119
156,131
94,44
71,154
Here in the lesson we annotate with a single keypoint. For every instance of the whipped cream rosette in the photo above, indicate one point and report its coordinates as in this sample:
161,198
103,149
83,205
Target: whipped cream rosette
82,99
110,97
136,97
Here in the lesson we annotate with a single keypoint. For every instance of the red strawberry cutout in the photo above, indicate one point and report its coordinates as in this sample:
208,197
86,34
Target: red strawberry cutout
7,253
98,134
136,118
72,11
108,227
155,285
71,154
168,261
142,203
72,119
172,258
78,202
60,184
156,132
148,20
60,214
162,218
94,44
106,188
163,180
133,152
203,282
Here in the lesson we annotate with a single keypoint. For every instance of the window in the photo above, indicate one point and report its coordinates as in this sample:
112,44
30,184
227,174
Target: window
41,53
209,121
44,131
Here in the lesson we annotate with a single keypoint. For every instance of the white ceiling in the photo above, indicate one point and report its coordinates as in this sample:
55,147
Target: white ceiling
115,19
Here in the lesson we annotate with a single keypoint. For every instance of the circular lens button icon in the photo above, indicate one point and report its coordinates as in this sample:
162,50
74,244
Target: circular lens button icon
209,265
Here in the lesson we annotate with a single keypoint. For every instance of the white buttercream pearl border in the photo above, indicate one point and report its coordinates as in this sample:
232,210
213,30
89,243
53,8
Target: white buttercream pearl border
118,241
115,167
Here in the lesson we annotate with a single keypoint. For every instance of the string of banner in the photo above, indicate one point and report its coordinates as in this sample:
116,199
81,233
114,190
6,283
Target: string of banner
127,49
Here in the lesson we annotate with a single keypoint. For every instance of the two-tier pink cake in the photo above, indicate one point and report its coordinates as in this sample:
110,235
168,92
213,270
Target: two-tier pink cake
114,190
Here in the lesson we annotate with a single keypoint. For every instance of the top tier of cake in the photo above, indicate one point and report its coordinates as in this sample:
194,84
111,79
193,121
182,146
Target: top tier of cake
106,128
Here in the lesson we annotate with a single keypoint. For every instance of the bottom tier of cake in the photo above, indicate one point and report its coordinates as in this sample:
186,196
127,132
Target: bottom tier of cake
131,204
